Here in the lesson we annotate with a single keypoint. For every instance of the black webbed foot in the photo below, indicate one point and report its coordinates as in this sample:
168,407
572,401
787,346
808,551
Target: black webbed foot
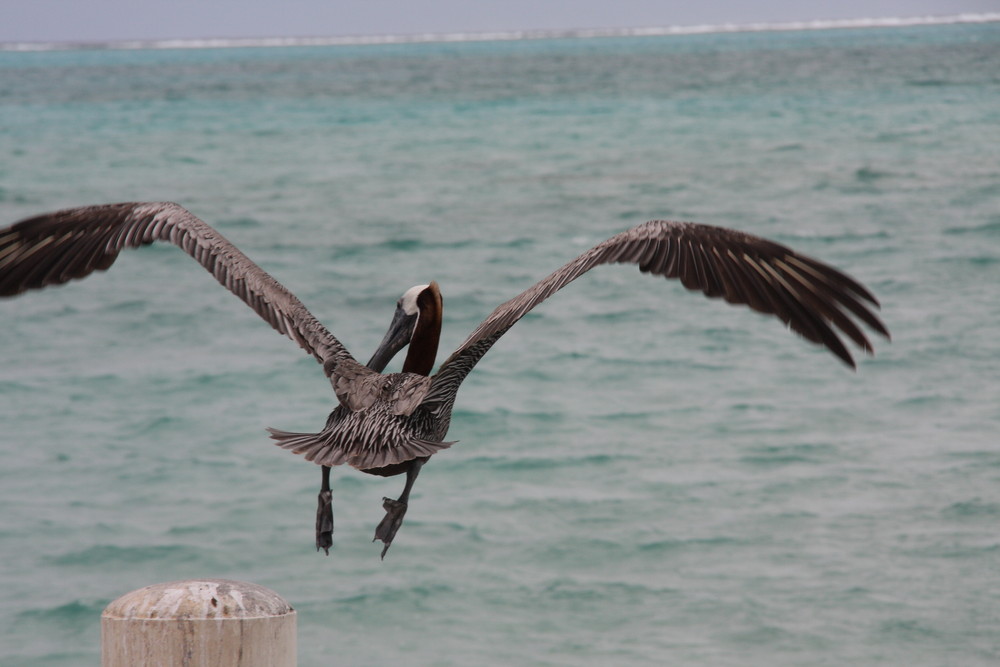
394,513
324,521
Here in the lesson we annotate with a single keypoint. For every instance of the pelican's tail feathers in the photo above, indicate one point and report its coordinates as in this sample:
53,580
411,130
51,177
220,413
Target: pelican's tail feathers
312,446
326,448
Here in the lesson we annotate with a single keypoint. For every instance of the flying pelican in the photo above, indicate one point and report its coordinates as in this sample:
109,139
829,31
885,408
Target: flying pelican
392,424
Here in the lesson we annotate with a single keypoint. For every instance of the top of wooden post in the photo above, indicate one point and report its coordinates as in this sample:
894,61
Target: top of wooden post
196,599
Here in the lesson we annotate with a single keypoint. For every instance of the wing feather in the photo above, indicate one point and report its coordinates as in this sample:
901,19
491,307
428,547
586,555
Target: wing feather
55,248
810,297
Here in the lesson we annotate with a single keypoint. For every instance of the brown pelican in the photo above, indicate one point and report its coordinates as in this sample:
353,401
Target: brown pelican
391,424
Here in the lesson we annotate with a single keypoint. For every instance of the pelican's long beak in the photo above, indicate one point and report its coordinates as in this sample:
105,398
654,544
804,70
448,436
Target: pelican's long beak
396,338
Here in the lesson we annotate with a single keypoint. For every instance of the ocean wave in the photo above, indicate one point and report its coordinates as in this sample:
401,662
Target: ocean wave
71,618
503,35
107,555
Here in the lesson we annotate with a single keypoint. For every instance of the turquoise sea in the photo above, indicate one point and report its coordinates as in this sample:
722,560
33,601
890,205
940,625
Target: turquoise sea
643,477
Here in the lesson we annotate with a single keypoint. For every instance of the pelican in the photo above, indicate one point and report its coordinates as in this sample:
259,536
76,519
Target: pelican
391,424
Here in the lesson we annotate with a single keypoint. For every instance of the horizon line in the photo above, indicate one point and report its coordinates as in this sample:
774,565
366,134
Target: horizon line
497,35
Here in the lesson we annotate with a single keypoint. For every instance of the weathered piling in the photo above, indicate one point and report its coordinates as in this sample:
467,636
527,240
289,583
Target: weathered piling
199,623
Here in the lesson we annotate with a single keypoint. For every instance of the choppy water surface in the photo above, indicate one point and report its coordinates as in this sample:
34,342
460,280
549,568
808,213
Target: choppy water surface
643,476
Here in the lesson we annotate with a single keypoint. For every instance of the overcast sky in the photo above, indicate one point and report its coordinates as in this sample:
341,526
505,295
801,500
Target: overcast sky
103,20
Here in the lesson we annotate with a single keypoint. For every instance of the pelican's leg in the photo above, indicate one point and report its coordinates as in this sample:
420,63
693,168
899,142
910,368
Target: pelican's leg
395,510
324,515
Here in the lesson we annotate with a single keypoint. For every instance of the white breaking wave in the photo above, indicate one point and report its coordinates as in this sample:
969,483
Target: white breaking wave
505,35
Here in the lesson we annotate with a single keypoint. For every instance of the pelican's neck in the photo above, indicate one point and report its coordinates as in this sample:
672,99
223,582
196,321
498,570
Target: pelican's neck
426,334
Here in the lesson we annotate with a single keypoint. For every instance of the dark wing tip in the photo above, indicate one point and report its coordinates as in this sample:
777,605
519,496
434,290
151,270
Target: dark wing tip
55,248
811,297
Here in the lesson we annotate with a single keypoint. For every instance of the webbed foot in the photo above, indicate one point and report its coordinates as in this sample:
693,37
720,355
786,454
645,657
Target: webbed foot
324,522
394,513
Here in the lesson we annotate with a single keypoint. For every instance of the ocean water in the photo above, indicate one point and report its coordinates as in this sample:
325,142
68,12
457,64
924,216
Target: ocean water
643,476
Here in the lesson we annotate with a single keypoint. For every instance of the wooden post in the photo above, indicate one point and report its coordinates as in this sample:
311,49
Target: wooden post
199,623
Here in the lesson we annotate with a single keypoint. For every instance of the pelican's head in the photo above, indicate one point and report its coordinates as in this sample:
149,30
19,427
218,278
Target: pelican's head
417,323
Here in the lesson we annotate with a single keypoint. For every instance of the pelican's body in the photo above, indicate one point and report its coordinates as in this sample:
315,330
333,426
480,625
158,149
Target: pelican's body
391,424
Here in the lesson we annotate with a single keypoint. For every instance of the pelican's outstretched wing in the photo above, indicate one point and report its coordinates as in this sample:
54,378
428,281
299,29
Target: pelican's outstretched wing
55,248
812,298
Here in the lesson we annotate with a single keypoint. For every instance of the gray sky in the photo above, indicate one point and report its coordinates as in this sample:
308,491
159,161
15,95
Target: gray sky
99,20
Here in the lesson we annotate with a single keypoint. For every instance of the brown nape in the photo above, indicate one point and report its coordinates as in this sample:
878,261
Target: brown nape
427,333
